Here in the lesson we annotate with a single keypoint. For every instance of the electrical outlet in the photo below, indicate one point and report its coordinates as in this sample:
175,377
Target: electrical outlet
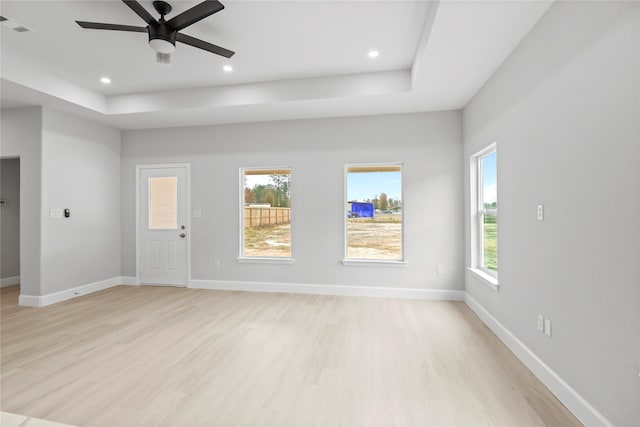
547,327
439,269
55,213
217,263
540,212
540,323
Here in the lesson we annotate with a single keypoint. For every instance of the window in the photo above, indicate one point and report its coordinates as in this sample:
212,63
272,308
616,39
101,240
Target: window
163,203
265,213
486,210
374,213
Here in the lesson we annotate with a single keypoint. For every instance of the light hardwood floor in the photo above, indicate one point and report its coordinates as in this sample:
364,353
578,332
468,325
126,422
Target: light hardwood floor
8,419
185,357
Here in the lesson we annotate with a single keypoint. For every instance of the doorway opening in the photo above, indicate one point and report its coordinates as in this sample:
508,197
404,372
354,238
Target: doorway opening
10,228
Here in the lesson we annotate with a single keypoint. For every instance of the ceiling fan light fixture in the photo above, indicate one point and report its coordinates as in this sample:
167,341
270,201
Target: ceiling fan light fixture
162,46
164,59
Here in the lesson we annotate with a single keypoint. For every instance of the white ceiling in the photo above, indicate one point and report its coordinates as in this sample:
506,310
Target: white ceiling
294,59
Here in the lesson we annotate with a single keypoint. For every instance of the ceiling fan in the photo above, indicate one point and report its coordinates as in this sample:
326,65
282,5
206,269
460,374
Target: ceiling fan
163,35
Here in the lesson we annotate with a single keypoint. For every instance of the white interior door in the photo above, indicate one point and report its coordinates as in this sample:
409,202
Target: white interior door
163,226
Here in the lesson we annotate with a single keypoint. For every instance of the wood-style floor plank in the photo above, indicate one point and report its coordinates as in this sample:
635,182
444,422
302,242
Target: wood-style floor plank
186,357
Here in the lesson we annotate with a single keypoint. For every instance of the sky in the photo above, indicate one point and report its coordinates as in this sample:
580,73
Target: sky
367,185
253,180
489,178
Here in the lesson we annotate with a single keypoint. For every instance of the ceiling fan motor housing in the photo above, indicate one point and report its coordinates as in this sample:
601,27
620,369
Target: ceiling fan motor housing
161,38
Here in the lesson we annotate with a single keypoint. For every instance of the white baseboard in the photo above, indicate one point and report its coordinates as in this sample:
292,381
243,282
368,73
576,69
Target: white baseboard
29,301
344,290
586,413
129,280
9,281
48,299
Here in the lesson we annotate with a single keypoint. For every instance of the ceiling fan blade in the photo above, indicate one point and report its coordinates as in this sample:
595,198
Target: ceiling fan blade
195,14
140,11
116,27
201,44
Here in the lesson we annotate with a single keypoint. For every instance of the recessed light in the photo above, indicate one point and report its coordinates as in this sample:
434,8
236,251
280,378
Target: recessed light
373,54
227,68
105,80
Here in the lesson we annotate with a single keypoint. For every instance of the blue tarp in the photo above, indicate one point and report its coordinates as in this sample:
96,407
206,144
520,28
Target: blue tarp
362,209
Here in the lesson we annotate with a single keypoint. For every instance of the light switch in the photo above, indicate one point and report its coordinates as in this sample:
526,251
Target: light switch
197,213
547,327
540,212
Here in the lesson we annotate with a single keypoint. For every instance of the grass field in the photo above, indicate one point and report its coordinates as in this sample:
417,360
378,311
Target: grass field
369,238
490,244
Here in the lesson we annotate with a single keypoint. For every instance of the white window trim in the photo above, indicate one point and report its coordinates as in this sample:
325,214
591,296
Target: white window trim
374,263
360,262
264,260
242,258
488,277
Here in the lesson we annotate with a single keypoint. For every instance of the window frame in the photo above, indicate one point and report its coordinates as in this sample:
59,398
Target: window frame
248,259
371,262
478,214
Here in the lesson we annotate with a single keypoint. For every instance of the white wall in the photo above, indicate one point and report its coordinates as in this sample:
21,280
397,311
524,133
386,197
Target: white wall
429,145
80,171
10,218
20,136
564,109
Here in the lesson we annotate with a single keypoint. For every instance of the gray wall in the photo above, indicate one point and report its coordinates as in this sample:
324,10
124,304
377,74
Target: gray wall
429,144
80,171
564,110
20,135
10,218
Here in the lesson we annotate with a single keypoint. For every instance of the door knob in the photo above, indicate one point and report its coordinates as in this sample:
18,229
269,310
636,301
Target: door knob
182,235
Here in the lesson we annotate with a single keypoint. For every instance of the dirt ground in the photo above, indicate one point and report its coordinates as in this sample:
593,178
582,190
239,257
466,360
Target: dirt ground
374,239
369,238
268,240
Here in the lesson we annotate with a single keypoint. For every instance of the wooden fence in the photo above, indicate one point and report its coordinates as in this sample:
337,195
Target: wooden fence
257,216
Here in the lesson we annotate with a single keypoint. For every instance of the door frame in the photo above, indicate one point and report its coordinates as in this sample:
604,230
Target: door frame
139,169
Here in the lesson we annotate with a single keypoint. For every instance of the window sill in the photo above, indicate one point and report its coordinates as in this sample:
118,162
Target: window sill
374,263
264,260
486,278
